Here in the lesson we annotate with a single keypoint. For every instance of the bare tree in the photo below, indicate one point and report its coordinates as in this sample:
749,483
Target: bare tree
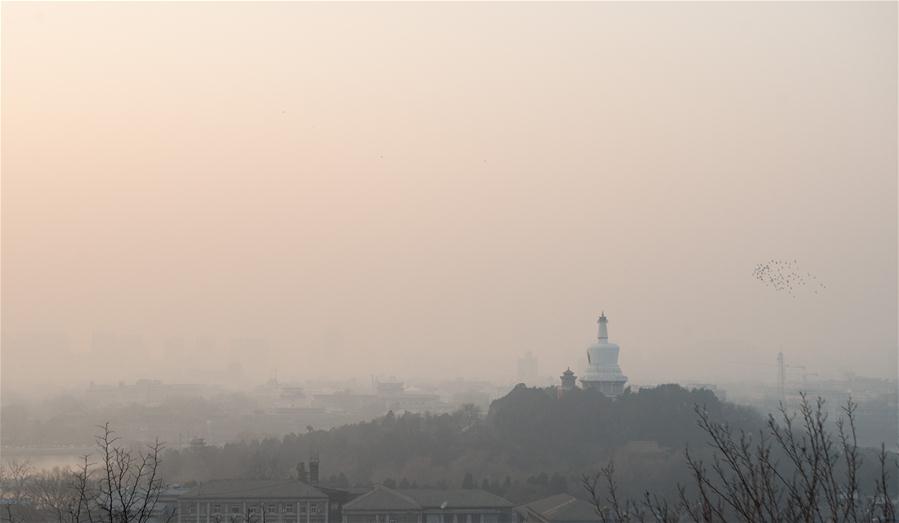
84,492
52,493
128,483
611,508
14,479
796,469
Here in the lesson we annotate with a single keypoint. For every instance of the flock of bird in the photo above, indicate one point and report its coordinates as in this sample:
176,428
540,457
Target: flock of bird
784,276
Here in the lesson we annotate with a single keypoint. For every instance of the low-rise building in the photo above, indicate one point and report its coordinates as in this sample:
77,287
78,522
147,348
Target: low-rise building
253,501
386,505
561,508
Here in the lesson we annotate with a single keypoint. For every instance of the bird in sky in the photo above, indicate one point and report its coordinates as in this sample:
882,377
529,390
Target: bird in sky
785,276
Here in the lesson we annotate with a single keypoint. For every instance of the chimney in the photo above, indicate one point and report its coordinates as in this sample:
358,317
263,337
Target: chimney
301,472
313,469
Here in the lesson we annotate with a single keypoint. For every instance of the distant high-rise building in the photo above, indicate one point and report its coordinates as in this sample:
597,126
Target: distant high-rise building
527,369
603,372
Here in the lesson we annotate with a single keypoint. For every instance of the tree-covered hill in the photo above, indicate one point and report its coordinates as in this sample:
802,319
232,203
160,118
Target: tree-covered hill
529,437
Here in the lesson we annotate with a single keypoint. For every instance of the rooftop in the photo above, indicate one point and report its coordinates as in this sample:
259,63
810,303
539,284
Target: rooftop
561,508
383,498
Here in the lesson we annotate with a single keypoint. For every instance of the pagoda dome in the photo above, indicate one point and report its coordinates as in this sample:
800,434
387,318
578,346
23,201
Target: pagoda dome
602,369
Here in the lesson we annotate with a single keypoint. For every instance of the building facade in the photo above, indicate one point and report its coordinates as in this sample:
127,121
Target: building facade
253,501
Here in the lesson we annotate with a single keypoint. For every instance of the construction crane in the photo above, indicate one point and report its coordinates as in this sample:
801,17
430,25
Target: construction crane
782,368
782,374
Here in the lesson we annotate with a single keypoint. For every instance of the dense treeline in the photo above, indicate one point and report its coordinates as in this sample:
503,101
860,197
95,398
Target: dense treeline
530,442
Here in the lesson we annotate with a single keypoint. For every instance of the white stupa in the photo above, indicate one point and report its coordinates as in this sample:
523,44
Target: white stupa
603,372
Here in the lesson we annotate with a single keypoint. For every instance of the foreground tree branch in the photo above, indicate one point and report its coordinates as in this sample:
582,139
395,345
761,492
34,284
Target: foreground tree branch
123,486
796,469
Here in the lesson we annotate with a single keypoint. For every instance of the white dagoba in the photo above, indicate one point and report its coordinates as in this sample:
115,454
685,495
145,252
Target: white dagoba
603,372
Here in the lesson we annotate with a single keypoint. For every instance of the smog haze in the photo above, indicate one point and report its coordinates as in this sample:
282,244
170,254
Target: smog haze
205,192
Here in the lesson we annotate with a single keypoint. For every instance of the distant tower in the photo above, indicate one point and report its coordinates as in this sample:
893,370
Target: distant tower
313,469
569,382
527,369
603,372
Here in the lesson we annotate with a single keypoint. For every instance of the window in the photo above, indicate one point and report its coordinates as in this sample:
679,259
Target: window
216,509
272,508
235,509
288,507
302,508
313,508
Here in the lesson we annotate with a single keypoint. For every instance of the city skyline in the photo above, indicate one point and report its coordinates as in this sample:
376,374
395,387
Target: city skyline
303,175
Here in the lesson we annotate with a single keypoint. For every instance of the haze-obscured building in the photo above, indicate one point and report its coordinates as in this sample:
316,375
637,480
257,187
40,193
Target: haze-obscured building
388,396
528,369
386,505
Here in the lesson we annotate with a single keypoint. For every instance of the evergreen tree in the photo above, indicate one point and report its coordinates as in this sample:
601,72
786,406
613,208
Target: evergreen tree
558,484
468,482
342,481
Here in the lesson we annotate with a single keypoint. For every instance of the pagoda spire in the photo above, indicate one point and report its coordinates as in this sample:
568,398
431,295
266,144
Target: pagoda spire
603,329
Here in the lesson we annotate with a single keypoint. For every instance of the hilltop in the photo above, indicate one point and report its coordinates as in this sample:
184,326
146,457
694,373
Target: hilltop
528,439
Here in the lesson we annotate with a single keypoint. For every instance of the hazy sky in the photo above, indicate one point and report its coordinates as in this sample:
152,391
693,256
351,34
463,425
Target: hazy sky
337,190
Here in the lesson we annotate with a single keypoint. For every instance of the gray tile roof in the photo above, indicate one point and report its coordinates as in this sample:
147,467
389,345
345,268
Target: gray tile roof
457,498
383,498
253,488
562,508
